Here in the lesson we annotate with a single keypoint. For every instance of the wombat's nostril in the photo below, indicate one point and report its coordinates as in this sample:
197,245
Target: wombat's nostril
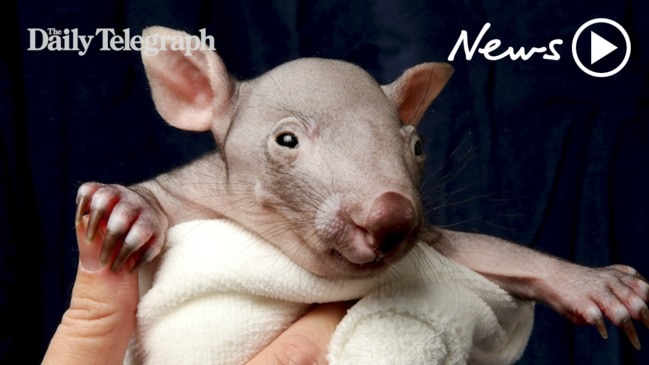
392,218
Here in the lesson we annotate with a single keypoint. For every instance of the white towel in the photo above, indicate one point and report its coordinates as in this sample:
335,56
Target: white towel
220,294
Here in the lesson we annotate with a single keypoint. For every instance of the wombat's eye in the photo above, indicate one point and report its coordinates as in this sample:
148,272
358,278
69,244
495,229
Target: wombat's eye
287,139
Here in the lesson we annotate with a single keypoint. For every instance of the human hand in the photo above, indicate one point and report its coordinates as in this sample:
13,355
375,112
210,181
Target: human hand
306,341
97,326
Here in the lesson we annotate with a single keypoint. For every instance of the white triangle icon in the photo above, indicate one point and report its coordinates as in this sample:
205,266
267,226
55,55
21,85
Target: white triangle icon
599,47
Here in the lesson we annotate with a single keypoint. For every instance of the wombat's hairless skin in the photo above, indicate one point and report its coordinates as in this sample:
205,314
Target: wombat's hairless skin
324,163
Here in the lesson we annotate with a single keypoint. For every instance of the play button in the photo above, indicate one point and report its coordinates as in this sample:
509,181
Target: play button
606,37
599,47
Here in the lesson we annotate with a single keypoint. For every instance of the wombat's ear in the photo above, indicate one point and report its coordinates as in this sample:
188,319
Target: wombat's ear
413,91
191,89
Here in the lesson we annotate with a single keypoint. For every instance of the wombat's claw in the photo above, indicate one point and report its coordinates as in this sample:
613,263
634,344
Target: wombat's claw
110,240
627,326
122,221
629,330
123,254
644,315
93,223
82,205
143,259
601,327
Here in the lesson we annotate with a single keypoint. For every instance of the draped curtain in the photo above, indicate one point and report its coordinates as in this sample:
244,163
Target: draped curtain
533,151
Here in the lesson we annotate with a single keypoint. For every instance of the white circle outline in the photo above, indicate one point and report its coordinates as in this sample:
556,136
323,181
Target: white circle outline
627,41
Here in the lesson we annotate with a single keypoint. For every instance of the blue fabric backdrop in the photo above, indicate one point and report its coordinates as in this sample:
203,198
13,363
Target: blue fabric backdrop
533,151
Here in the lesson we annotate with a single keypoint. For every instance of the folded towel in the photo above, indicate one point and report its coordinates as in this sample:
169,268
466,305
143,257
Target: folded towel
220,294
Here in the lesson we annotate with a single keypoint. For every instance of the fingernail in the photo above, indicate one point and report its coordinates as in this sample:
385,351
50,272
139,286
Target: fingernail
631,333
88,258
88,253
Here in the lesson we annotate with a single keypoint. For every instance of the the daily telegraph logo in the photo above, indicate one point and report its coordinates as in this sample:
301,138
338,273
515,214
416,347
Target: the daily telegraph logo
71,40
600,48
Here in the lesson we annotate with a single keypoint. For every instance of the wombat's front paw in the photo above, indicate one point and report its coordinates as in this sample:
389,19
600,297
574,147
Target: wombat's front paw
588,295
131,223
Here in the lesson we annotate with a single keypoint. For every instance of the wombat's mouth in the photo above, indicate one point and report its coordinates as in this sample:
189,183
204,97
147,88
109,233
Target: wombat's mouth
380,263
349,268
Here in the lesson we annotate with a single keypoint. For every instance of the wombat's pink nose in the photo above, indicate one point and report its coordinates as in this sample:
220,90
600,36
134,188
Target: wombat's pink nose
391,220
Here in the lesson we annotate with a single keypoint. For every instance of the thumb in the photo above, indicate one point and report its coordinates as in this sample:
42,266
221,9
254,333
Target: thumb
97,326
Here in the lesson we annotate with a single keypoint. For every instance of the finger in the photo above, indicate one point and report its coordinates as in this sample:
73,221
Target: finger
616,311
151,250
629,270
595,317
639,276
119,223
97,326
613,308
101,206
628,296
639,311
639,286
634,295
306,341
